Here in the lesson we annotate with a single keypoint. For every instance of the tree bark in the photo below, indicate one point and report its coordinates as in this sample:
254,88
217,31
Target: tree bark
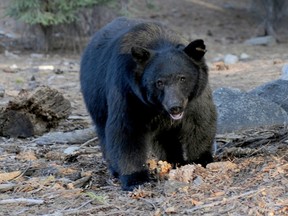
33,113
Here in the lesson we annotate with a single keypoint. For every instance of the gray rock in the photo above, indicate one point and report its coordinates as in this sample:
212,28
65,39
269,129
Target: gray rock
284,75
244,57
230,59
71,150
265,40
239,110
276,91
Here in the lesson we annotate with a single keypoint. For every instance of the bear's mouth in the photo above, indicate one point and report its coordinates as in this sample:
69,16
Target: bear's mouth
177,116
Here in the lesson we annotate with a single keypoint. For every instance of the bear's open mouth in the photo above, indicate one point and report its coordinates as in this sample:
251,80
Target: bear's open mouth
177,116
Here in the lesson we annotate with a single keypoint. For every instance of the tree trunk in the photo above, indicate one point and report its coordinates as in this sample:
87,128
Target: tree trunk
45,38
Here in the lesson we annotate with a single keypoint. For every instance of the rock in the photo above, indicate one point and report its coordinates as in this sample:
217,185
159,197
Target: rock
14,67
276,91
230,59
284,75
46,67
239,110
11,69
198,180
265,40
71,150
244,57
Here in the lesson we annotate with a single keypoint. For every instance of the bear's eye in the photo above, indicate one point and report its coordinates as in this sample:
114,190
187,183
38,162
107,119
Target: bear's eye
182,79
159,83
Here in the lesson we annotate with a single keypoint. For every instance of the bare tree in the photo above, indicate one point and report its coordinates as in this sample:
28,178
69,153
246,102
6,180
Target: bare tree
272,11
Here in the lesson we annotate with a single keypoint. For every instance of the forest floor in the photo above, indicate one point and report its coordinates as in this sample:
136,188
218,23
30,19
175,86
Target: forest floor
250,177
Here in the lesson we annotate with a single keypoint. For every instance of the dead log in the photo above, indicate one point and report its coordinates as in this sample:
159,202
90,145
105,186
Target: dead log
72,137
33,113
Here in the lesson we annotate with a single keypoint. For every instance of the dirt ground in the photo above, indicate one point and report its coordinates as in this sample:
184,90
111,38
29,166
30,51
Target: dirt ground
251,180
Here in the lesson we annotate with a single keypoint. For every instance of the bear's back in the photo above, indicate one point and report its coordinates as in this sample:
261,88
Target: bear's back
150,35
135,32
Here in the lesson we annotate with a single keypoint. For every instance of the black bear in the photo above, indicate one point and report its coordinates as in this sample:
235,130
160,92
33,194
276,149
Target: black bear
147,89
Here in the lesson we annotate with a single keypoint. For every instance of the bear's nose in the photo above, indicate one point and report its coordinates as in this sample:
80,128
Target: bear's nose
176,109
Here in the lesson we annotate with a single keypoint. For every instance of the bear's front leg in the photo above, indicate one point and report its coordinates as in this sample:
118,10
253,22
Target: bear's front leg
126,152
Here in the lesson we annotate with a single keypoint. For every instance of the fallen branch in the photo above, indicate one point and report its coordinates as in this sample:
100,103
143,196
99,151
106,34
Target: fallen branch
73,137
89,141
22,200
6,187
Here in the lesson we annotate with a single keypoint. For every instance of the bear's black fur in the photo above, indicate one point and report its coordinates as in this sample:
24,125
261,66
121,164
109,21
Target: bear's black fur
146,89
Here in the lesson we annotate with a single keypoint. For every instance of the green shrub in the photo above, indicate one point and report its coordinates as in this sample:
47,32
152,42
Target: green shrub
49,13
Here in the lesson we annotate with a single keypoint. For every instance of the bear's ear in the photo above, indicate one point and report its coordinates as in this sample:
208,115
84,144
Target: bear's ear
196,49
140,55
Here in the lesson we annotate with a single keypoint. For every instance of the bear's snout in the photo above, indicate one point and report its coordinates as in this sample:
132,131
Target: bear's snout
174,103
176,112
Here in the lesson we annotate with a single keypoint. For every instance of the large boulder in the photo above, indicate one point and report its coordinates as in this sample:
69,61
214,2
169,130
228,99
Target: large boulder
276,91
239,110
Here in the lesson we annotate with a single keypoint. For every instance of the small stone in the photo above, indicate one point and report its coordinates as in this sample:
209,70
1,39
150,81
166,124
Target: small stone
46,67
198,180
71,150
13,67
230,59
244,57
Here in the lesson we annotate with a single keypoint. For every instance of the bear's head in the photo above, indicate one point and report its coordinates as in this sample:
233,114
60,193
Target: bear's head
171,77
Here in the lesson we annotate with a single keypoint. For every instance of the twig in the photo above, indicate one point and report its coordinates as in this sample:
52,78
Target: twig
93,209
22,200
80,182
89,141
249,193
150,203
6,187
29,165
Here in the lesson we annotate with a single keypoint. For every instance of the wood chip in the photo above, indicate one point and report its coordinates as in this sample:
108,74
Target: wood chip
9,176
